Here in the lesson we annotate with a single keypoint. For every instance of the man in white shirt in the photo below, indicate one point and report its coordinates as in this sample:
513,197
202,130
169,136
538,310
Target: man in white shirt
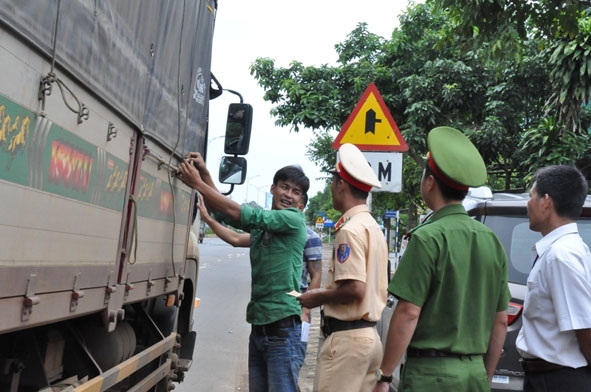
555,339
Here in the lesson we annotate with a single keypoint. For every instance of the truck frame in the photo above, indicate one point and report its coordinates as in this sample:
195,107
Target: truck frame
99,103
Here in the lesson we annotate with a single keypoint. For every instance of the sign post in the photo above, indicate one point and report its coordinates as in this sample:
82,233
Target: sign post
372,129
328,223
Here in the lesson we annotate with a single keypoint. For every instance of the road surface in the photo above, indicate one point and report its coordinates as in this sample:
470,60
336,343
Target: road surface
221,349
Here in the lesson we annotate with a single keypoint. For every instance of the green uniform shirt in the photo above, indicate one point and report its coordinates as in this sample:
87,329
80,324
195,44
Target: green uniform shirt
277,239
455,269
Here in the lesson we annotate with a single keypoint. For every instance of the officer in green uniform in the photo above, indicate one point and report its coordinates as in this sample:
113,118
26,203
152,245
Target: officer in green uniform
451,284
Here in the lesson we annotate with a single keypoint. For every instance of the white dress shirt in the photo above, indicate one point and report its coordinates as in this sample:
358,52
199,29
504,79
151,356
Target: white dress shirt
557,299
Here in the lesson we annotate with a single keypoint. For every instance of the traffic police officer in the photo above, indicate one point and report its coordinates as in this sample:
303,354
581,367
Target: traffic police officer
355,291
451,283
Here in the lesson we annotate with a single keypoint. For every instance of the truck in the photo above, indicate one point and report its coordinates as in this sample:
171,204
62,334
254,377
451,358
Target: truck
100,101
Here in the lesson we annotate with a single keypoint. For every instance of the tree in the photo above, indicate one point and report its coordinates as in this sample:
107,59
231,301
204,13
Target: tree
428,77
563,31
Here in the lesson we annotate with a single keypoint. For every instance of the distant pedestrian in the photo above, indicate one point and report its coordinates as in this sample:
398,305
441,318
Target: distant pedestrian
312,267
451,283
354,295
555,339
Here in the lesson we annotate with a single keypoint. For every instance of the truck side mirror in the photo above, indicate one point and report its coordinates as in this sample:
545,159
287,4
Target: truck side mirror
238,128
232,170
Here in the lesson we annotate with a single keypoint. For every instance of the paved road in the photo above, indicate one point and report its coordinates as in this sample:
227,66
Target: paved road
223,288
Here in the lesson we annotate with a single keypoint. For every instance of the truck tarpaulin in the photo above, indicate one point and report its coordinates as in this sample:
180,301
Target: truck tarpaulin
143,58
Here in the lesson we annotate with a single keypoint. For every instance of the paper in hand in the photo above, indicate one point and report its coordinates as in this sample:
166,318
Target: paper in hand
305,331
294,293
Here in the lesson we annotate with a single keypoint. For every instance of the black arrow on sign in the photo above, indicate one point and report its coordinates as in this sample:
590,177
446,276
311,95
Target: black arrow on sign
370,121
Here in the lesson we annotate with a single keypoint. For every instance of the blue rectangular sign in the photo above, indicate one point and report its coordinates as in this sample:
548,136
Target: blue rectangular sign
390,214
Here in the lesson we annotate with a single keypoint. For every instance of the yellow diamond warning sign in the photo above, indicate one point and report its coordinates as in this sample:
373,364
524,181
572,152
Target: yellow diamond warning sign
370,126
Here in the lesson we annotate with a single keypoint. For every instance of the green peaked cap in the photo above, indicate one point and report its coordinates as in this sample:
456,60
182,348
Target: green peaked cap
456,157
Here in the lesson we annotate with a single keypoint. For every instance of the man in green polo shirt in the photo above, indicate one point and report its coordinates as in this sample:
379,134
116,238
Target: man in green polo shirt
451,284
276,241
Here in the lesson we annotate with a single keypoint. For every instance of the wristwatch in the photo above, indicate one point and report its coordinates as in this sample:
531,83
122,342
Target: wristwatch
383,378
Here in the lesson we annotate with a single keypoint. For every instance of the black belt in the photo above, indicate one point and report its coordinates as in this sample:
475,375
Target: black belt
432,353
277,328
537,365
330,325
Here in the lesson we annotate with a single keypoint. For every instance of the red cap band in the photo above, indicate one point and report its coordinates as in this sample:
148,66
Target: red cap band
347,177
446,180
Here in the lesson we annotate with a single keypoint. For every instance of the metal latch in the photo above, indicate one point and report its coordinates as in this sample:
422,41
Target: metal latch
30,298
76,294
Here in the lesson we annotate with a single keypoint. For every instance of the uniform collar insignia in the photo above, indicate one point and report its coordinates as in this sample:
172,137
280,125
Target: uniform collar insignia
341,222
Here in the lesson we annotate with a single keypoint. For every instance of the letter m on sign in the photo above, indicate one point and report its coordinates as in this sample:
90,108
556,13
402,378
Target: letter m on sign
385,173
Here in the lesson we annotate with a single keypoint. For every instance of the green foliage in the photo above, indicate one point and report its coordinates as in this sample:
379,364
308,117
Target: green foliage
546,144
320,151
299,93
562,30
507,23
500,71
321,202
571,75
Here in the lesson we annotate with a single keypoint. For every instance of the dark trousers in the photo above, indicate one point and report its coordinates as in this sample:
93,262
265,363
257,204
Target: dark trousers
561,380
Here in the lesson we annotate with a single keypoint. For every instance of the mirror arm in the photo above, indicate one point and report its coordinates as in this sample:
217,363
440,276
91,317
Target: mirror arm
235,92
230,191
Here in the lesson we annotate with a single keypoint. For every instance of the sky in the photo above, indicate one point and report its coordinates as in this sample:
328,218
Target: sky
303,30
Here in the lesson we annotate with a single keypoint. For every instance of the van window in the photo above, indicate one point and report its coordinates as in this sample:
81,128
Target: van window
518,240
521,254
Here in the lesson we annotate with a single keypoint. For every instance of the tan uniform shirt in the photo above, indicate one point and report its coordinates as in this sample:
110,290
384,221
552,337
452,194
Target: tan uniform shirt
360,253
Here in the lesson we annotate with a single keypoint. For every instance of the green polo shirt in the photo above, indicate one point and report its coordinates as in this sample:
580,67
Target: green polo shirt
277,239
455,269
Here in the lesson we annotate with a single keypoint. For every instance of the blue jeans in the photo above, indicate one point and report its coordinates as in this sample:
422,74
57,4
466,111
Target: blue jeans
274,363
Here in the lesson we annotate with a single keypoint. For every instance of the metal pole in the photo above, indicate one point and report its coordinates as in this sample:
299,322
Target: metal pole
396,239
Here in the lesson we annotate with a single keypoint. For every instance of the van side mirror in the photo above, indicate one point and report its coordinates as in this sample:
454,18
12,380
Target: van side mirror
238,129
232,170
